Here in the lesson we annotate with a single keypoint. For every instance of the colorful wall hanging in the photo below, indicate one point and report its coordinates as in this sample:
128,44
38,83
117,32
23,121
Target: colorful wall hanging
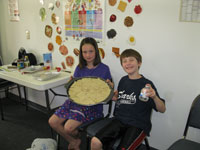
13,10
84,18
190,11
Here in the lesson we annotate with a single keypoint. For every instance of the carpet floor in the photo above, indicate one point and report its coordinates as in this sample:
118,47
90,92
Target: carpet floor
21,127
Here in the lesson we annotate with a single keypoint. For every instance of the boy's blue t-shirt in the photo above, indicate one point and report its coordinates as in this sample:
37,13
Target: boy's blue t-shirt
129,109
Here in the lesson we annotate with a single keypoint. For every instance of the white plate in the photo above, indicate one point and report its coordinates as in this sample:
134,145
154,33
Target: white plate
45,75
32,69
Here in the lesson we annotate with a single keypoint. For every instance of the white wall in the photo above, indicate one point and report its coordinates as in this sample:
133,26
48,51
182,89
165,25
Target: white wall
170,51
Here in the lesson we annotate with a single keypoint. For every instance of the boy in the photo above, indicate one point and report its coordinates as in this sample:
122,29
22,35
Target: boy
131,119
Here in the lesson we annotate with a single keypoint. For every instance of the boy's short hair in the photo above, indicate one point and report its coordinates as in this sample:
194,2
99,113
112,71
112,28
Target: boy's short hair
130,53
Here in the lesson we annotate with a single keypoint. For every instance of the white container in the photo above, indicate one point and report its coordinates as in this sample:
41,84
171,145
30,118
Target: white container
143,97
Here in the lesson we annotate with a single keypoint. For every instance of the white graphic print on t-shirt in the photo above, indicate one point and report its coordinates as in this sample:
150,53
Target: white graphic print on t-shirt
125,98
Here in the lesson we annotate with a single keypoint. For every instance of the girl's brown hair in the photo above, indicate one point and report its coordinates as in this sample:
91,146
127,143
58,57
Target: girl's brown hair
82,61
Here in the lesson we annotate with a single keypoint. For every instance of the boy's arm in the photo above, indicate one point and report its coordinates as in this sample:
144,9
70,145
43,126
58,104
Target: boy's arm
160,105
115,96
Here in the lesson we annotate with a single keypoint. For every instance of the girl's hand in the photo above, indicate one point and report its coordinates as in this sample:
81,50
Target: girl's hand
115,96
70,78
110,83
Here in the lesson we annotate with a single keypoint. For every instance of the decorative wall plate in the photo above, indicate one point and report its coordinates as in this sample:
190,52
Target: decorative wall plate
138,9
58,40
115,50
113,18
59,30
69,61
63,65
51,6
57,3
111,33
63,50
54,18
76,51
102,53
131,40
122,6
42,13
128,21
112,2
50,47
42,2
48,31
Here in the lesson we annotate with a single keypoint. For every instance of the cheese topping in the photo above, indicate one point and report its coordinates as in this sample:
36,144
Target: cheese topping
89,91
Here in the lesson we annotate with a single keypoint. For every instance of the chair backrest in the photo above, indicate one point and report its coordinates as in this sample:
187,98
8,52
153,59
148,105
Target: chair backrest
194,115
1,61
109,110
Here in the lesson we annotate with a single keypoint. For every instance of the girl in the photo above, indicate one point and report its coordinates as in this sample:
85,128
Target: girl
89,65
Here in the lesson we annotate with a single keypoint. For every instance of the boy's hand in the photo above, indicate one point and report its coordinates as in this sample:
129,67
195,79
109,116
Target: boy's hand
115,96
160,105
150,92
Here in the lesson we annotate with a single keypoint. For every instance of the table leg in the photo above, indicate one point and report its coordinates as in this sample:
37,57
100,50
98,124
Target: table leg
20,96
25,98
47,101
1,109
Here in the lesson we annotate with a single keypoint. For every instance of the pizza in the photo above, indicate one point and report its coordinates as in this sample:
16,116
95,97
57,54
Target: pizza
89,91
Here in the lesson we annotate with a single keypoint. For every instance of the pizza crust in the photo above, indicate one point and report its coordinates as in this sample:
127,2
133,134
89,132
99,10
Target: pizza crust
89,91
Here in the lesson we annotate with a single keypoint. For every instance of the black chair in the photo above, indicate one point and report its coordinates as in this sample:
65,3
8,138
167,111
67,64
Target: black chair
192,121
84,126
94,128
5,86
98,125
